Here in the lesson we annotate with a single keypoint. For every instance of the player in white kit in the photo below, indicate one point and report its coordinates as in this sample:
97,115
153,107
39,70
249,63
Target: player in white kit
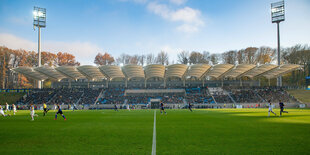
270,109
32,113
7,107
14,109
2,112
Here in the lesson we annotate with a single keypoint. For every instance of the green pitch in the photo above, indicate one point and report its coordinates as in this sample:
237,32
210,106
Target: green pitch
223,131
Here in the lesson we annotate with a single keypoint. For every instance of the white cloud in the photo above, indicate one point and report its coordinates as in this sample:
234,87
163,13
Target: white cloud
190,18
178,2
84,52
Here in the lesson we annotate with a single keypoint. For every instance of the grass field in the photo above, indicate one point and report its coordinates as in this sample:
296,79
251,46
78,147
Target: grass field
222,131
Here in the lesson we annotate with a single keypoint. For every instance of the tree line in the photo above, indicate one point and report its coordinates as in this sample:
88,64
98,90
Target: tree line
298,54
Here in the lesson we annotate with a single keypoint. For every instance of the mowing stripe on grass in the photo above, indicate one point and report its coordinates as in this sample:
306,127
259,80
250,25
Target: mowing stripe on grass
154,136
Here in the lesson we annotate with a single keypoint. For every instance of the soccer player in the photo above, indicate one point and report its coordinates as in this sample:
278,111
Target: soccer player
2,112
281,104
190,106
74,107
7,107
55,107
45,110
270,109
59,112
32,113
115,107
162,109
14,109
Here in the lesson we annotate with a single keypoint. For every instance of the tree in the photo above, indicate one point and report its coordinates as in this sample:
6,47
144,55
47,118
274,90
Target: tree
66,59
150,59
134,60
49,59
265,55
196,58
250,55
206,57
162,58
183,57
230,57
105,59
141,60
214,58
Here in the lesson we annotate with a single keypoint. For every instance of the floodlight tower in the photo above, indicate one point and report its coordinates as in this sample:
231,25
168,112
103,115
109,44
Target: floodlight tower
39,21
277,16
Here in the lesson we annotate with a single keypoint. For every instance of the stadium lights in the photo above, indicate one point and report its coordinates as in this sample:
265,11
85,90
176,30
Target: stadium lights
39,20
277,16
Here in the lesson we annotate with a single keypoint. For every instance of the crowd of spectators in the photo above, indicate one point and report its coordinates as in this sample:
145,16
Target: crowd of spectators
274,95
37,97
245,96
191,95
89,96
67,96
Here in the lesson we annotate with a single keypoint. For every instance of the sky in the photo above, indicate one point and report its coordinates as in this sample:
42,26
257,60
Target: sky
86,27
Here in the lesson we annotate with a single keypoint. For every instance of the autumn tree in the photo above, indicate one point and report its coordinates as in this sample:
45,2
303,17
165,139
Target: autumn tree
66,59
103,59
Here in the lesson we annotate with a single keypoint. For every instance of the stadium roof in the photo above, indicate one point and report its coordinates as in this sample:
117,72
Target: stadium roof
155,70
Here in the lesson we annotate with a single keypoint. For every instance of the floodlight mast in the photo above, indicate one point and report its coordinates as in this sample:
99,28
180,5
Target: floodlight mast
39,20
277,16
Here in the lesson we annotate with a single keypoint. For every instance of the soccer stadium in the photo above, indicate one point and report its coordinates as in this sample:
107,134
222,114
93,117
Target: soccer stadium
69,98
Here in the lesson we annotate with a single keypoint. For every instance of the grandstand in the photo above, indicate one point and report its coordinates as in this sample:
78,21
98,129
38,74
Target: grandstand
203,85
155,75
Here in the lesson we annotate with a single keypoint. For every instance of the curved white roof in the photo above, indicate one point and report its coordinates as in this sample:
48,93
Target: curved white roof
197,70
71,72
154,70
218,70
133,71
175,70
50,72
238,70
91,72
31,73
112,71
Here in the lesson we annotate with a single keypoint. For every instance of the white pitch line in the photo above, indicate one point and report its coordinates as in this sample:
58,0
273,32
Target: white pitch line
154,135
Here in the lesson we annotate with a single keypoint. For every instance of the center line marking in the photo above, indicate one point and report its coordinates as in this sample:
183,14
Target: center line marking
154,135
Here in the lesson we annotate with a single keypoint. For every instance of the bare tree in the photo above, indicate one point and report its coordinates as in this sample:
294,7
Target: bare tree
134,60
141,59
183,57
230,57
214,58
162,58
206,57
196,58
150,59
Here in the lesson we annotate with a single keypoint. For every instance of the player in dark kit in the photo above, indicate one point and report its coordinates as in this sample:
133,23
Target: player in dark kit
59,112
115,107
162,109
281,104
190,107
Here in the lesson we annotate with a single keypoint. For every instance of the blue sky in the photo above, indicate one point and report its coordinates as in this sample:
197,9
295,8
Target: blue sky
85,28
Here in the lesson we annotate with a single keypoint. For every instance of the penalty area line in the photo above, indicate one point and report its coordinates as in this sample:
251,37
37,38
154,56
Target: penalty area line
154,135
